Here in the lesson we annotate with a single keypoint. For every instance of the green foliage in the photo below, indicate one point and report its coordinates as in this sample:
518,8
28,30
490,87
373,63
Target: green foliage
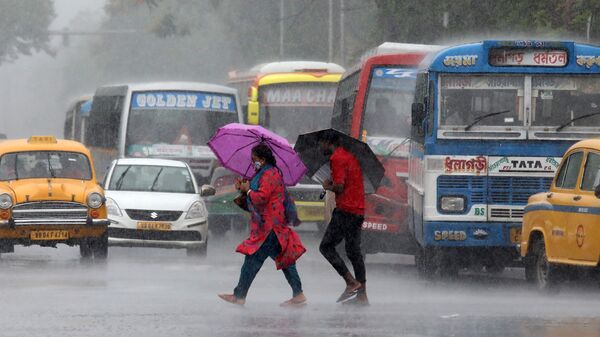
23,27
422,21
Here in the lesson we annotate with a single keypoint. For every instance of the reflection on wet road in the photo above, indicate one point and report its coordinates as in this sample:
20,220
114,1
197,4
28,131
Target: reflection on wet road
164,293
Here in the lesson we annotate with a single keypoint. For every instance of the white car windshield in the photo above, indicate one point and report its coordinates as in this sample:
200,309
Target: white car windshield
151,178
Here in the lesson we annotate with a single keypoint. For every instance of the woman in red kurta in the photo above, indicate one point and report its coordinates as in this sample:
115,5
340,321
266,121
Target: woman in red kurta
270,235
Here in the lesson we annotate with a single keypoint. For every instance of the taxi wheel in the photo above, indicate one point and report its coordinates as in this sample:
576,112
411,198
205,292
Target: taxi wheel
85,250
100,247
545,275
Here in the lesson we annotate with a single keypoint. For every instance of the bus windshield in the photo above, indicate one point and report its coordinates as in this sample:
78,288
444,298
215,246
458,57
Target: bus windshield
176,130
481,100
558,100
293,109
387,111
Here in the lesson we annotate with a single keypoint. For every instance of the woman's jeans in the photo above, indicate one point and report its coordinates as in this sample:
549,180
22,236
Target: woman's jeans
253,263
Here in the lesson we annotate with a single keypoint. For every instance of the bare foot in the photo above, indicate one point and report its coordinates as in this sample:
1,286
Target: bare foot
296,301
232,299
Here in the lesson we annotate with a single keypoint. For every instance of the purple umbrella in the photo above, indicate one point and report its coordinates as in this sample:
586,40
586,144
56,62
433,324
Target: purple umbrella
233,144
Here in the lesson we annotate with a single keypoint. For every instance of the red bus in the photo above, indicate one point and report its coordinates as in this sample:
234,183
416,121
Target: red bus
373,103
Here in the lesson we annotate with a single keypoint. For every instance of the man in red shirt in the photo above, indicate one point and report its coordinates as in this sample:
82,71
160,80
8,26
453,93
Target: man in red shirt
347,218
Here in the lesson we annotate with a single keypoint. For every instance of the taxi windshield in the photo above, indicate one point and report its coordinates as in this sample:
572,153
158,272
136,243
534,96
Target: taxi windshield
151,178
45,164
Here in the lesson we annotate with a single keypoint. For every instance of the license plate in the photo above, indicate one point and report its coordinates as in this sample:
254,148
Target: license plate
515,235
155,226
49,235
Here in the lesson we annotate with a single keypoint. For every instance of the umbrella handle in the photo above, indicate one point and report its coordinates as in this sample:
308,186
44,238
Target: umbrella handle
322,195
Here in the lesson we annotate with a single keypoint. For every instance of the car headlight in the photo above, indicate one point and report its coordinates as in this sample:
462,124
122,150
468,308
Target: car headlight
112,208
95,200
452,204
6,201
197,210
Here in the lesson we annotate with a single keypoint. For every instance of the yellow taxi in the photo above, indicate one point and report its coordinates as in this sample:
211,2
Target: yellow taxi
49,195
561,227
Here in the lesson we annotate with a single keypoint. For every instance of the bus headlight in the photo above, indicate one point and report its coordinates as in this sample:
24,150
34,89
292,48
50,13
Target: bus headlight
95,200
197,210
112,208
452,204
6,201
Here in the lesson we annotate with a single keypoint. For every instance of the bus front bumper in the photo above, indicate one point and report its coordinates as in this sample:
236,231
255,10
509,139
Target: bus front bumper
471,234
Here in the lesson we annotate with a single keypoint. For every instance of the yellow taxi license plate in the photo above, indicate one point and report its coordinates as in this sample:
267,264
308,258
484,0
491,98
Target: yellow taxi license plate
49,235
155,226
515,235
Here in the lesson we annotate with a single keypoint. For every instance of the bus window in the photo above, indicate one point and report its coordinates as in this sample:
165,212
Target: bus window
102,130
558,99
344,103
389,100
294,108
175,131
466,98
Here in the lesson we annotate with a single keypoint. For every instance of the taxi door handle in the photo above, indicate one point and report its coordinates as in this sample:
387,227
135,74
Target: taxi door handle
577,198
549,195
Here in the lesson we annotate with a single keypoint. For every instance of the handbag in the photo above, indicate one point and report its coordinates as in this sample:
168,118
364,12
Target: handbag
242,202
291,212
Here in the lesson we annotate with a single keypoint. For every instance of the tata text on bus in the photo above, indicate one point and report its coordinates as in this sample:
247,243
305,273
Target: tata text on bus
490,123
373,104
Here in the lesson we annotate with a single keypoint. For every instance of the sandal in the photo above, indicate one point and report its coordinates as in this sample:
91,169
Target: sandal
296,301
349,292
232,299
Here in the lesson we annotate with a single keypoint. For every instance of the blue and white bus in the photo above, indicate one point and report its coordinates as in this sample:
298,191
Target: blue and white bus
172,120
490,123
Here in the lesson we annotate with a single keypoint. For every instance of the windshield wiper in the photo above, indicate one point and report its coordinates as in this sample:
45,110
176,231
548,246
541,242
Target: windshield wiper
480,118
576,119
156,179
120,180
50,169
16,167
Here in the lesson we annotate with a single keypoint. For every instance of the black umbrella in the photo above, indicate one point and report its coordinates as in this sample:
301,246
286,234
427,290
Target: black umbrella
317,164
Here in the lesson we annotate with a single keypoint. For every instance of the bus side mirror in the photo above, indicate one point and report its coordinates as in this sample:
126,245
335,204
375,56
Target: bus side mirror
207,191
597,191
253,117
418,114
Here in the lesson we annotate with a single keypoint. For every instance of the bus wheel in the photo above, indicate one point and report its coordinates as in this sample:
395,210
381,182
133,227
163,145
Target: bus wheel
545,275
447,264
424,263
219,226
495,268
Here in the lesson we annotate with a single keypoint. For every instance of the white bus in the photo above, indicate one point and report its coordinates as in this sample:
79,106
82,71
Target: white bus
171,120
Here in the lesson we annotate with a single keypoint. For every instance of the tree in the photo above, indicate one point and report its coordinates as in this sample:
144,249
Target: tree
24,27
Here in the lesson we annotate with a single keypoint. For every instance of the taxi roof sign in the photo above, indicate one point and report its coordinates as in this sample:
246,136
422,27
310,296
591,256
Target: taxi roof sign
42,140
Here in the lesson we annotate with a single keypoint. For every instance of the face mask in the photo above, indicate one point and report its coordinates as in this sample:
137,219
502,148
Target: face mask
257,165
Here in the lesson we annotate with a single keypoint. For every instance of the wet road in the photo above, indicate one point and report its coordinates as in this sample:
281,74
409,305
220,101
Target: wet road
152,292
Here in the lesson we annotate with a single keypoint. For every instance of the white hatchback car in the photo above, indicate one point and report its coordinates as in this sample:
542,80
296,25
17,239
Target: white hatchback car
156,203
